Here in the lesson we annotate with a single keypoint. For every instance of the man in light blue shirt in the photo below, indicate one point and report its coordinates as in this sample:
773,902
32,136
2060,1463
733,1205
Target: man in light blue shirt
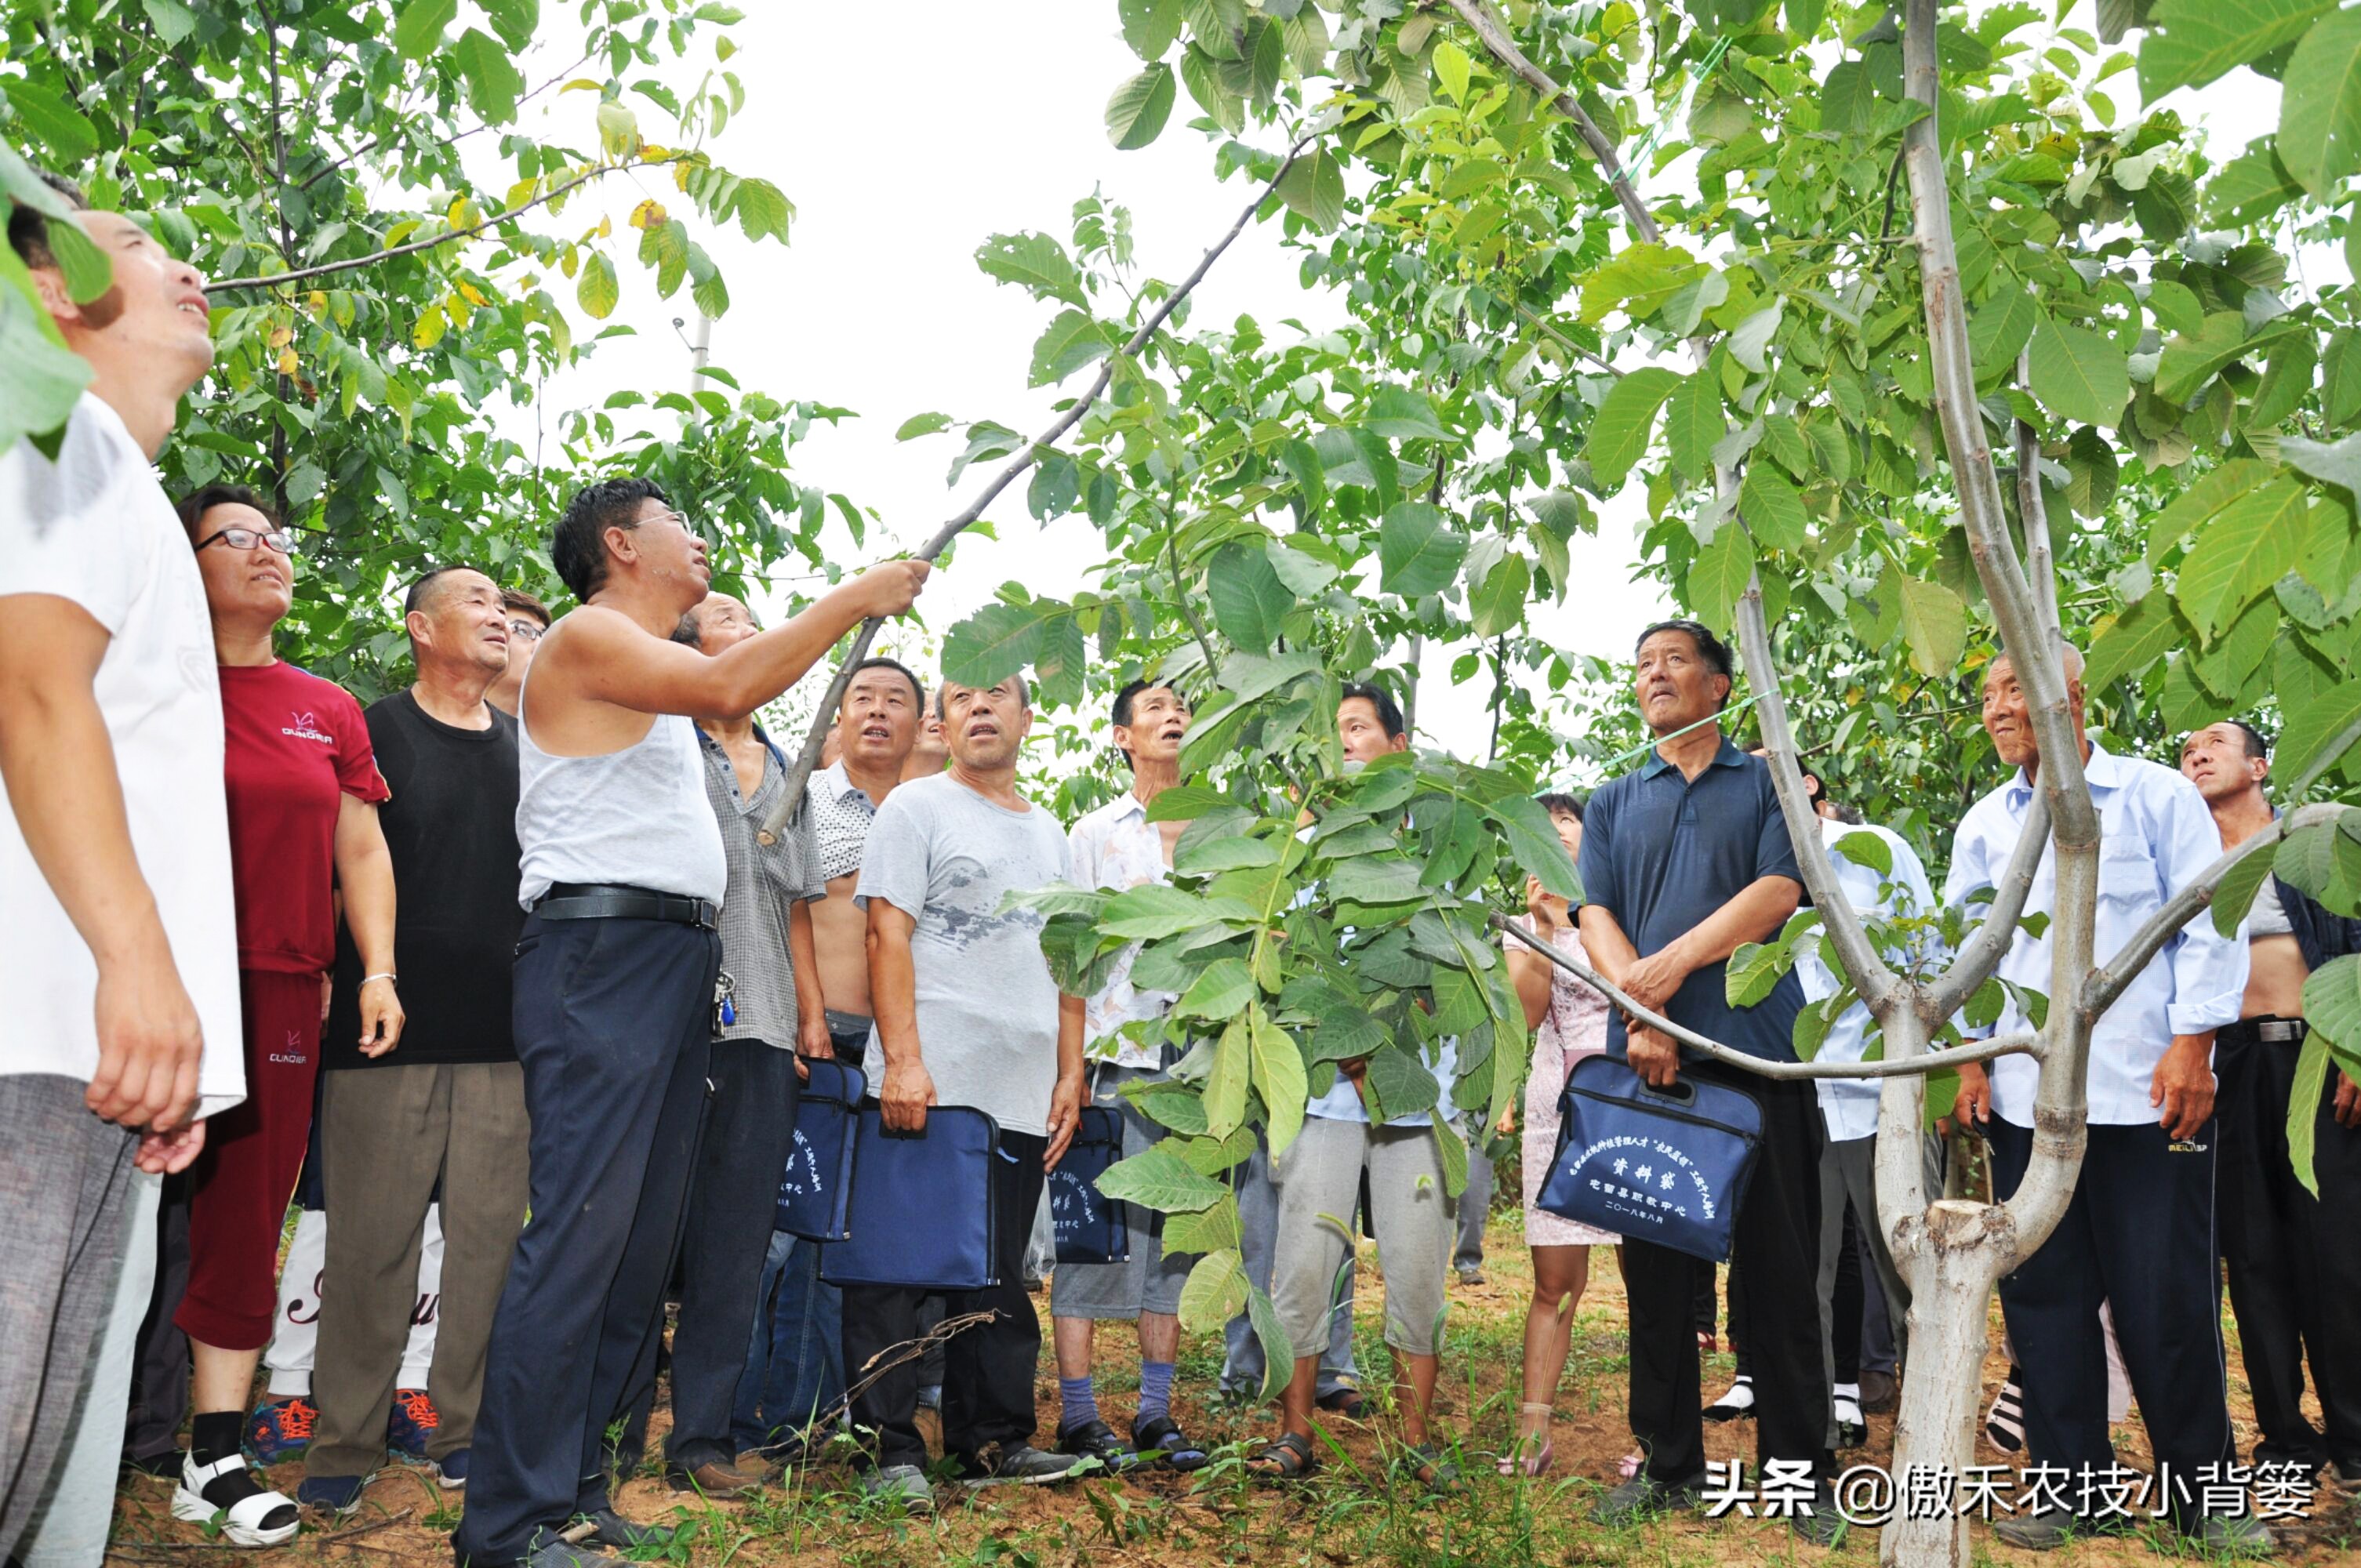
2138,1234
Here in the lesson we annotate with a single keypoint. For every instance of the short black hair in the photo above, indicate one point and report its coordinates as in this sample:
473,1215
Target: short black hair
577,548
415,599
880,662
1711,649
2258,745
685,631
1555,801
1390,713
29,227
1024,692
517,598
194,506
1129,695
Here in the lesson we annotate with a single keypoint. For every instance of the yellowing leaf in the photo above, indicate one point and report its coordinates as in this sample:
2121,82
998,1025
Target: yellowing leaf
431,325
648,213
287,362
280,336
474,295
607,225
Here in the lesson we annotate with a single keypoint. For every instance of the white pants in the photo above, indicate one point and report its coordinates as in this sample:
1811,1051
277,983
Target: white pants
70,1530
298,1331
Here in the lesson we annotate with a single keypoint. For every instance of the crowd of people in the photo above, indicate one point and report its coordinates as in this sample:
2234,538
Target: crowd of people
516,976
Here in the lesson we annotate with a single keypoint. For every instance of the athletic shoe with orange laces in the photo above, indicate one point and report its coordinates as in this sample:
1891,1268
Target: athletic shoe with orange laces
410,1425
280,1429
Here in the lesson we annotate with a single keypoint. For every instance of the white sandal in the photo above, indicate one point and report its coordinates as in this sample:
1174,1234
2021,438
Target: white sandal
242,1520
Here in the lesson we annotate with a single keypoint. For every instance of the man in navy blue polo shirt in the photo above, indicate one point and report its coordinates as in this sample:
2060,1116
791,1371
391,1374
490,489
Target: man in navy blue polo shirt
1682,862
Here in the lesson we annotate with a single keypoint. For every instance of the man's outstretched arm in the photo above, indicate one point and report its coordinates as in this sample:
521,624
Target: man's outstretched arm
613,662
59,762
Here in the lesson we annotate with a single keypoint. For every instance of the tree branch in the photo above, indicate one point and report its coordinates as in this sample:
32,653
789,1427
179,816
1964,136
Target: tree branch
375,142
1496,38
2107,982
1878,984
303,274
790,799
1981,954
2040,564
1973,1051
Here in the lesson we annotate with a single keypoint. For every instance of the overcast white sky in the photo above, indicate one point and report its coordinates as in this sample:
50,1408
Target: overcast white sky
901,155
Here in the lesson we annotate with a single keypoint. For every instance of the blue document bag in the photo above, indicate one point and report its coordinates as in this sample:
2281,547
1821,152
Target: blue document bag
1090,1226
816,1192
1668,1165
922,1214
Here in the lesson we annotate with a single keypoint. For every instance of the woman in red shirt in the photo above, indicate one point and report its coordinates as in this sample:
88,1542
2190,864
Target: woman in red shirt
304,790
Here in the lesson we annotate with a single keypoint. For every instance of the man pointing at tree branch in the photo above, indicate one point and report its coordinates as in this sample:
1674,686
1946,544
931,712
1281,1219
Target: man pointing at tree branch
1682,862
616,995
2138,1234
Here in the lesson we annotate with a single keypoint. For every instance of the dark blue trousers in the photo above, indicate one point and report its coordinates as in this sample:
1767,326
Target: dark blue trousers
613,1023
2139,1235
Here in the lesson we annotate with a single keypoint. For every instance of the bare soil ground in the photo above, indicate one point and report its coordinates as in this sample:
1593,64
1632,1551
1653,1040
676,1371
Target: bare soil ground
1355,1510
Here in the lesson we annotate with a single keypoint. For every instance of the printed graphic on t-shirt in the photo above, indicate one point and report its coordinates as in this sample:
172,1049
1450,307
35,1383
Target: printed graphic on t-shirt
306,727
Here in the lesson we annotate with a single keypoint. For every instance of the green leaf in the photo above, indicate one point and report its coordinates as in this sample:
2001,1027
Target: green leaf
595,289
1314,189
1534,845
1639,279
1215,1290
1772,507
993,643
2318,735
494,83
2331,1003
2188,363
2139,637
1137,112
1156,909
1158,1178
2250,187
2250,546
1619,434
63,128
1279,1078
1694,424
918,425
1247,596
2319,104
44,381
1034,262
418,26
618,128
1868,851
2236,892
764,210
514,20
1753,971
1400,1084
1399,413
1149,25
172,20
2190,42
1221,989
1072,341
1998,332
1277,1355
1499,602
2079,373
1450,68
2201,500
86,269
2304,1092
1418,554
1718,575
1934,621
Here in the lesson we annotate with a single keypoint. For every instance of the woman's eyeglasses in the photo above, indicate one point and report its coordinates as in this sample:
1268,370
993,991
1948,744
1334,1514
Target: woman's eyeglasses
279,539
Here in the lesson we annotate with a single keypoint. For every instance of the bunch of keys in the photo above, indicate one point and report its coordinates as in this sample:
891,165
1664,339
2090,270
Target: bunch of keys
725,1008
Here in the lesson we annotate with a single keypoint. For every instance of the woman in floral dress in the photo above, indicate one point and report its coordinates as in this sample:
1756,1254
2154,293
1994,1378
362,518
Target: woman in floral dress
1569,1021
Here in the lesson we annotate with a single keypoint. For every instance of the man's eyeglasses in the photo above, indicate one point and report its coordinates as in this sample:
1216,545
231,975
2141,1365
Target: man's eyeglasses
279,539
526,631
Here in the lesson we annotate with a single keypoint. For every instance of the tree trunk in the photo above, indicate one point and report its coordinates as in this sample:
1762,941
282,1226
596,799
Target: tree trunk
1950,1270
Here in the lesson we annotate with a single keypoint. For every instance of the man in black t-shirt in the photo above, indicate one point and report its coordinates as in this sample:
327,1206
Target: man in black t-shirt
447,1106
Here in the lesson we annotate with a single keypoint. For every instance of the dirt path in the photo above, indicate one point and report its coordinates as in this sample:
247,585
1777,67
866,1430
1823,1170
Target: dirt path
1353,1512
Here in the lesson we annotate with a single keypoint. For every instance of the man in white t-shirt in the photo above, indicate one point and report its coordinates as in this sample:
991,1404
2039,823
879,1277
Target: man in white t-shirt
115,876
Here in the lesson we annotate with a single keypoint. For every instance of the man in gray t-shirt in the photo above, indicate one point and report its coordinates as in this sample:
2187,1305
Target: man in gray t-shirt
967,1015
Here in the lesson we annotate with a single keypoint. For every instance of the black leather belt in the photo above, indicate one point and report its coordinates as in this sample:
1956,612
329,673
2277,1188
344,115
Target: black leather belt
617,901
2279,1031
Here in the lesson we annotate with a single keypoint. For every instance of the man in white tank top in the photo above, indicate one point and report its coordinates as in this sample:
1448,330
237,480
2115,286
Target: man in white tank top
615,998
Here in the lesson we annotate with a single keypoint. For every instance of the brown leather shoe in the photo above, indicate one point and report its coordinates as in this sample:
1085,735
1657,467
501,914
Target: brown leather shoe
713,1479
1879,1393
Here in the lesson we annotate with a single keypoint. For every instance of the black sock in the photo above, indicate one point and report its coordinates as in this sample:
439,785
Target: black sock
216,1435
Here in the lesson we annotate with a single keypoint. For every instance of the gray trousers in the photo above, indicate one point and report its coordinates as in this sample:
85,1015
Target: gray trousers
386,1133
1849,1172
1472,1206
65,1179
1242,1361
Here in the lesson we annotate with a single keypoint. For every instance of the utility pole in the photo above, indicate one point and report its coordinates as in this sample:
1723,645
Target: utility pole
700,353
